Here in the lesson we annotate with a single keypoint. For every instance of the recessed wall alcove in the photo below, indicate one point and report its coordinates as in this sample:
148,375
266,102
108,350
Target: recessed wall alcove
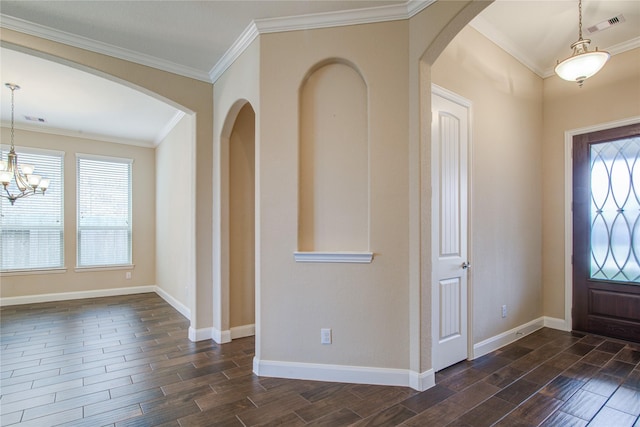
333,211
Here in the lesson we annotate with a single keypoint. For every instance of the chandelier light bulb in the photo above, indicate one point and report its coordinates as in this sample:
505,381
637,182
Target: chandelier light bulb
27,169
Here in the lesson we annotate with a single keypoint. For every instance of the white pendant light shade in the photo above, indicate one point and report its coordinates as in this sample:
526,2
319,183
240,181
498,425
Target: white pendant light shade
582,64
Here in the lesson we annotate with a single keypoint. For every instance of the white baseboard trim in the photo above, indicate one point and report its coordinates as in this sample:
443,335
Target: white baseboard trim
505,338
183,309
220,337
555,323
343,374
62,296
242,331
422,381
201,334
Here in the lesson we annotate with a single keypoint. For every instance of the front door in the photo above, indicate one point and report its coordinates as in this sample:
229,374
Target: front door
449,153
606,232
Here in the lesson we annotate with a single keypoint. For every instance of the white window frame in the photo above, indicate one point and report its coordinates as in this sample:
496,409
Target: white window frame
57,186
79,228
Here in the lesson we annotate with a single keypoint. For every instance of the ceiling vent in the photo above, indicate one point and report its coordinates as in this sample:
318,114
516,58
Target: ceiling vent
35,119
606,24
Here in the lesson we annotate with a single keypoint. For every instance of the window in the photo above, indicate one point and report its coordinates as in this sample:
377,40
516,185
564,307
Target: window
32,230
615,210
104,211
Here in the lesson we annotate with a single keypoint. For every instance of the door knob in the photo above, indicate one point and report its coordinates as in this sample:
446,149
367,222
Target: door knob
466,265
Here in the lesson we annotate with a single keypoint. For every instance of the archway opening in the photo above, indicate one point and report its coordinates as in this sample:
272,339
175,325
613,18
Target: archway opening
241,224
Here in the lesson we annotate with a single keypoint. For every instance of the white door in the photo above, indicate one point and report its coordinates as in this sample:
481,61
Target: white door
449,157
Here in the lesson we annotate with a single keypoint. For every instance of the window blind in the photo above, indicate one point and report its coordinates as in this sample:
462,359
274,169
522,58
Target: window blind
104,211
32,230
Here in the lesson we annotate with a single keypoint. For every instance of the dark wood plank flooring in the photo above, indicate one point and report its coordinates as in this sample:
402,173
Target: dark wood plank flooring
127,361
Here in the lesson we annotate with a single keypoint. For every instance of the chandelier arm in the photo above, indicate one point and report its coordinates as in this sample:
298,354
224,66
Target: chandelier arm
21,181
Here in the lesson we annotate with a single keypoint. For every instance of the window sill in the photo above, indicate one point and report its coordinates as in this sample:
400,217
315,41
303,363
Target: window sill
105,268
339,257
33,272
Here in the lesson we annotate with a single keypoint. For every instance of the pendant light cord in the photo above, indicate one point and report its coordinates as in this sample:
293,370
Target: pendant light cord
579,19
13,90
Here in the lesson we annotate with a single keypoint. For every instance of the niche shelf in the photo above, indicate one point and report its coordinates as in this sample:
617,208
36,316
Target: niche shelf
351,257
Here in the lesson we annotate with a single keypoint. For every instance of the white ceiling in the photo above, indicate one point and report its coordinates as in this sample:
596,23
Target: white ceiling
191,37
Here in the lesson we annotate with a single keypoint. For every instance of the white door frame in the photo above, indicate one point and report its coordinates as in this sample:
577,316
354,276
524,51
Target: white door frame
435,313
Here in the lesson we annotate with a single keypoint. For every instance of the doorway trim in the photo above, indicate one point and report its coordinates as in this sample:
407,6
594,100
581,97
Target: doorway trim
221,332
568,215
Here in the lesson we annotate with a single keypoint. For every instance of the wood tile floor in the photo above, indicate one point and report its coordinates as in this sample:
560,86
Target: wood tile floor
126,361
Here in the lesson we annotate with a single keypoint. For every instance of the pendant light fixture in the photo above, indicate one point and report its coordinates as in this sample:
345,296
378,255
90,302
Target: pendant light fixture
582,64
18,180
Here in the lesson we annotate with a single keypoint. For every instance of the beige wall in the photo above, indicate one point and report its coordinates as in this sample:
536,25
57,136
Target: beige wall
365,305
611,95
175,212
506,168
143,190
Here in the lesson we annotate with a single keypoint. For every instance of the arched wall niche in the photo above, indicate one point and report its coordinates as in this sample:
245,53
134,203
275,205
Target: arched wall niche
236,274
333,213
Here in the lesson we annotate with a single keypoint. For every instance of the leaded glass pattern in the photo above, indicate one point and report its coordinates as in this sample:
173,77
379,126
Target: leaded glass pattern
615,210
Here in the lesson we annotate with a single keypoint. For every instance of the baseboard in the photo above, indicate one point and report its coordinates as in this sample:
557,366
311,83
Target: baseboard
422,381
220,337
201,334
555,323
343,374
62,296
505,338
183,309
242,331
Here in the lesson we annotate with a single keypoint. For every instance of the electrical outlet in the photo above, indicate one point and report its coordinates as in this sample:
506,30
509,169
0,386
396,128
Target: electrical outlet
325,336
127,275
504,311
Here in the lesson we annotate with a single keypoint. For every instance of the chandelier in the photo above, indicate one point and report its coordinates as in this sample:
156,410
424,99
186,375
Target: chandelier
582,64
25,182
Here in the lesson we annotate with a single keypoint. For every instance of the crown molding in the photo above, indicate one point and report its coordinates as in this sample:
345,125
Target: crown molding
255,28
168,127
315,21
235,50
416,6
48,33
340,18
77,134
